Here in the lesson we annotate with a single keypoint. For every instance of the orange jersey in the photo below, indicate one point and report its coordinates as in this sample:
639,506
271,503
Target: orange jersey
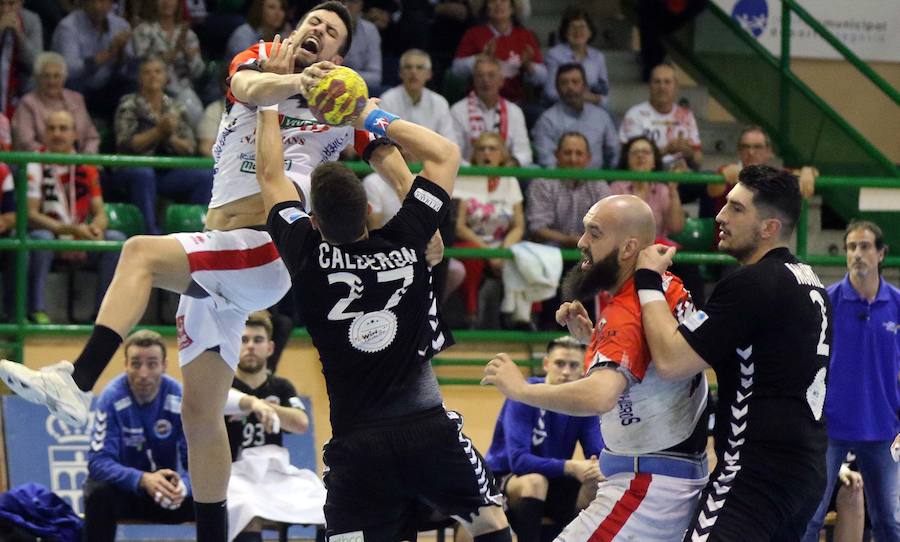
618,337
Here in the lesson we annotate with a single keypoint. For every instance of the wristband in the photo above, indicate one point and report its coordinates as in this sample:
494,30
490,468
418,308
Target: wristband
233,402
273,107
648,284
378,121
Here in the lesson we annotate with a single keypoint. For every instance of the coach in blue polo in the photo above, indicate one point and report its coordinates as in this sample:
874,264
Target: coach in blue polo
138,453
863,398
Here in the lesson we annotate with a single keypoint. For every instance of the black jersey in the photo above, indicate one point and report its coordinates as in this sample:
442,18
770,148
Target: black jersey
766,330
369,307
245,431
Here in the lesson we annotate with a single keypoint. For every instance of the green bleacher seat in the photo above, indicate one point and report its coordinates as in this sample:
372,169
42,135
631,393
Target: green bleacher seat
184,218
125,217
698,235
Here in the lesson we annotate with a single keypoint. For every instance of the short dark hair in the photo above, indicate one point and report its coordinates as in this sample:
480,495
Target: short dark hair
573,13
261,319
483,12
777,190
144,338
342,12
565,68
338,202
626,148
579,135
565,341
755,128
858,224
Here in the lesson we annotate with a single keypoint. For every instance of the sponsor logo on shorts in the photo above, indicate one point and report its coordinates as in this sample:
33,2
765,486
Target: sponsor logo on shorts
373,331
162,428
292,214
355,536
695,320
183,339
428,199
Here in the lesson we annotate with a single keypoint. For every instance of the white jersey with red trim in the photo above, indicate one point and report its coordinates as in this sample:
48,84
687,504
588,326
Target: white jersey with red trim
307,142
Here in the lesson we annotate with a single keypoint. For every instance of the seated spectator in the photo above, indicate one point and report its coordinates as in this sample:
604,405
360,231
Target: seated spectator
166,36
29,121
641,154
137,461
754,149
364,55
503,38
532,448
404,25
576,30
573,114
490,216
264,19
555,205
270,398
415,103
66,202
5,134
484,110
21,39
671,127
151,123
97,47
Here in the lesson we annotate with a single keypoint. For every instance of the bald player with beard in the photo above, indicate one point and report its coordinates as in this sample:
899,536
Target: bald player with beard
654,431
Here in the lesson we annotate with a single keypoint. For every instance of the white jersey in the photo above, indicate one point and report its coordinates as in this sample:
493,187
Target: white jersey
661,128
652,414
307,142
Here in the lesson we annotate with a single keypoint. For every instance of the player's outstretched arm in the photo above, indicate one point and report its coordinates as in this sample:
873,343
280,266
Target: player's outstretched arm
273,183
440,156
276,82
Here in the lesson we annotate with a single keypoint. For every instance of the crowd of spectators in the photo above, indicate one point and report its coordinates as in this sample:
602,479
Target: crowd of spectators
146,78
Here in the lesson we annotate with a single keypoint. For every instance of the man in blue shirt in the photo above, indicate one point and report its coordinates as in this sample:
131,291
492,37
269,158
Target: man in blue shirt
863,396
532,449
138,453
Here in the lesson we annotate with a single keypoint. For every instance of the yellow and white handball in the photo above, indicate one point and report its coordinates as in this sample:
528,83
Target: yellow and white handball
339,97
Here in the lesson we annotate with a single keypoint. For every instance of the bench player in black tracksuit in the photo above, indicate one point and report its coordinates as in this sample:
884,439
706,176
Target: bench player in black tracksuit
370,309
766,331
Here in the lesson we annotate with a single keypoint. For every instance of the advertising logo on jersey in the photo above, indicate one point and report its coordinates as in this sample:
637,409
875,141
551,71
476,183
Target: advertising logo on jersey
752,15
162,428
373,331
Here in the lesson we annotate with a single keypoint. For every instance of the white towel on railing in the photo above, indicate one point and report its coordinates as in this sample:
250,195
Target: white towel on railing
532,275
264,484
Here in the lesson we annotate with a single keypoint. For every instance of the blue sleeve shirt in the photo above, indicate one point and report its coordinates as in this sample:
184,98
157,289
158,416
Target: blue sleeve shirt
532,440
863,396
129,439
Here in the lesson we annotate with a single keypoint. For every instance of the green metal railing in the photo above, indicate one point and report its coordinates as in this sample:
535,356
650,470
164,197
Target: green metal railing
21,244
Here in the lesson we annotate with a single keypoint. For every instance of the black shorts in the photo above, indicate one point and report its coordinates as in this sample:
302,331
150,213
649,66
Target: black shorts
562,497
771,497
379,476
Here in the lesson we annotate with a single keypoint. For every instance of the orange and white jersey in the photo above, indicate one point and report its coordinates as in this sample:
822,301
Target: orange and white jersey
652,414
307,142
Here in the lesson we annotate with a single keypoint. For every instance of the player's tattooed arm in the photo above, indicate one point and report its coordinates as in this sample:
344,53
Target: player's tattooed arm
274,185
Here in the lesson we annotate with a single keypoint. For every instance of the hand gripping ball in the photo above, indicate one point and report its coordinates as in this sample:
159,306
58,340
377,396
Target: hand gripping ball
339,97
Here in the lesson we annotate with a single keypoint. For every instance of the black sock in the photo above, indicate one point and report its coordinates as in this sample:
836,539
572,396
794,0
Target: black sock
212,521
248,537
525,517
503,535
99,349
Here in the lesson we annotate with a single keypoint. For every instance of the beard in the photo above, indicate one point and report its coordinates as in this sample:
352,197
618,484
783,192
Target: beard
586,283
252,365
744,251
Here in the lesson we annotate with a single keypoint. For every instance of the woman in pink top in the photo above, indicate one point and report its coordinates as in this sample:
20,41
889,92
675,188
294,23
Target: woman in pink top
29,120
641,154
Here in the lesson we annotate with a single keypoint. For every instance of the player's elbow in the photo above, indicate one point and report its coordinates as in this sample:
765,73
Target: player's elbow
669,368
601,404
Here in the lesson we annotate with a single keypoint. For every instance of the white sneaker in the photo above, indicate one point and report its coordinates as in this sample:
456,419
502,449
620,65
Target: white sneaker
52,387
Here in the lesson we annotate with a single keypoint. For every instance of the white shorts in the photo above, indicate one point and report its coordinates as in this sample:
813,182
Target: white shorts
637,507
240,271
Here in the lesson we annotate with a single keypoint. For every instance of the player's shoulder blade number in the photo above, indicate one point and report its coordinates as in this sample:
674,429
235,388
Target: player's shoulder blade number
822,347
341,309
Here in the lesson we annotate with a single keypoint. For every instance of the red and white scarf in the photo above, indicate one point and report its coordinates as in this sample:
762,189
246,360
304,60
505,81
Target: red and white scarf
477,122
